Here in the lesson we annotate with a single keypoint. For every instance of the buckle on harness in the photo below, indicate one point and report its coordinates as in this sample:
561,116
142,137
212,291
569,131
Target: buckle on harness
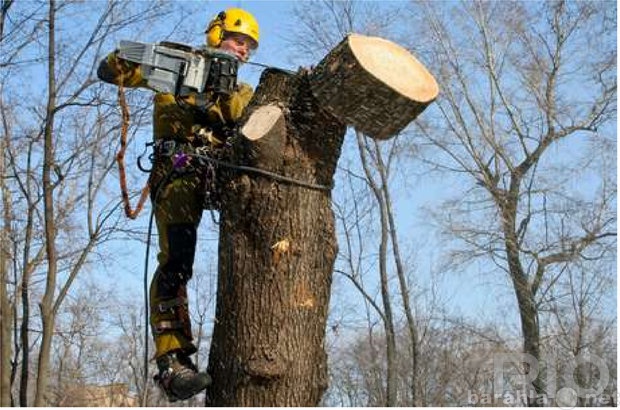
165,147
203,151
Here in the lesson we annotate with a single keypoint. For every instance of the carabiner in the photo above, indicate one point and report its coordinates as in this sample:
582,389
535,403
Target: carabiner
140,167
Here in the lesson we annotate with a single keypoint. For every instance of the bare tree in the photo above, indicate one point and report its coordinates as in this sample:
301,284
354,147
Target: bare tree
6,309
8,37
578,326
320,26
61,188
518,81
47,303
456,365
129,319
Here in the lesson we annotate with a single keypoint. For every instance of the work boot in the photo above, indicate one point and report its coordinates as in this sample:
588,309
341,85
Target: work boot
179,378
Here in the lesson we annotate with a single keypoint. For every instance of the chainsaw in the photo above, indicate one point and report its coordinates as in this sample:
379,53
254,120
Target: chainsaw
180,69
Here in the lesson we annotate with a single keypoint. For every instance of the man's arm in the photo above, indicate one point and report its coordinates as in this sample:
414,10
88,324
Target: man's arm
114,69
232,107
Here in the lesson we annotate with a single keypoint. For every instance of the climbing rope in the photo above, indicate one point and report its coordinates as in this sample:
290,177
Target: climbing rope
146,285
146,307
120,159
269,174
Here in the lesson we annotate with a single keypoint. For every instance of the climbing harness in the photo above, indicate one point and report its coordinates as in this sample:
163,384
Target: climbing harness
171,148
180,160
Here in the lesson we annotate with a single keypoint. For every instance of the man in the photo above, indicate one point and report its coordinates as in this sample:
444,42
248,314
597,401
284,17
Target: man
190,121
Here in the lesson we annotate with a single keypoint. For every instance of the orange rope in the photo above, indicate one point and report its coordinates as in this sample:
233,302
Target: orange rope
120,159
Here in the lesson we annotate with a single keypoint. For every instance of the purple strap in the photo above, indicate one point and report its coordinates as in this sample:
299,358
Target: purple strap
180,160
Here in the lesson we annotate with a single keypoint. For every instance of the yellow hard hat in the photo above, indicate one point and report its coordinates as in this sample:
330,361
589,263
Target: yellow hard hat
232,21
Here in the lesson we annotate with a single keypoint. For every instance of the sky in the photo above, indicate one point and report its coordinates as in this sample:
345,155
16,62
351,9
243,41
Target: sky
467,292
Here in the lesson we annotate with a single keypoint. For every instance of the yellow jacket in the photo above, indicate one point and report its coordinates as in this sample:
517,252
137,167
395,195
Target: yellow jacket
174,119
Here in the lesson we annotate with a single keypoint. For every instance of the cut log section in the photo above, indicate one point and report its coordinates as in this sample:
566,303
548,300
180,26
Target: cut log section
373,84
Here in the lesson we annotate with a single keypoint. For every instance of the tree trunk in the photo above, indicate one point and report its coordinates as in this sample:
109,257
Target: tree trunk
24,327
28,267
6,319
374,85
386,297
528,310
46,306
383,171
530,329
276,253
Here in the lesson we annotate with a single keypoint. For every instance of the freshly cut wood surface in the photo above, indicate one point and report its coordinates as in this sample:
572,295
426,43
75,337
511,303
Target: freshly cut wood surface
374,85
261,122
263,131
395,66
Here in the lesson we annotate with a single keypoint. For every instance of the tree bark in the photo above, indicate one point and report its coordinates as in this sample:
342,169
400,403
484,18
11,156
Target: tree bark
276,253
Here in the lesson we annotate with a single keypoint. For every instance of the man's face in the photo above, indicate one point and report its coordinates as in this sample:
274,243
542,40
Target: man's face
239,45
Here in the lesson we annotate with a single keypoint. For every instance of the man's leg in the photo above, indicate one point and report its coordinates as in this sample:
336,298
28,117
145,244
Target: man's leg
177,215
